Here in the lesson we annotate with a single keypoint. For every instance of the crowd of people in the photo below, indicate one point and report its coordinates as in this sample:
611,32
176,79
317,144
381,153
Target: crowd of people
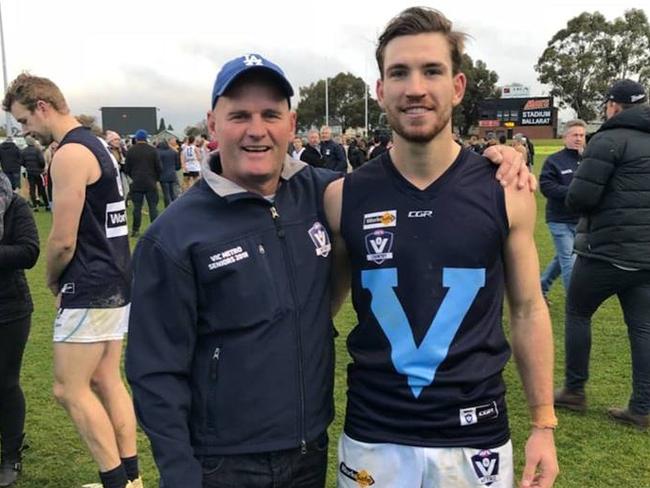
230,295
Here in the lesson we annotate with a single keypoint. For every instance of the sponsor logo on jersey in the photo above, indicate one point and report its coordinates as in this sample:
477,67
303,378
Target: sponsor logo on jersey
480,413
566,171
321,239
379,245
486,467
363,477
68,289
116,220
378,220
420,214
224,258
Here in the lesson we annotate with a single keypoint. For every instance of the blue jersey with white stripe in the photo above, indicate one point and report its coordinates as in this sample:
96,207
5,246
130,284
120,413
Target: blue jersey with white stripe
99,274
427,287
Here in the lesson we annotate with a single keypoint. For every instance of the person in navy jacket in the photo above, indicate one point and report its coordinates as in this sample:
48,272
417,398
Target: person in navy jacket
554,182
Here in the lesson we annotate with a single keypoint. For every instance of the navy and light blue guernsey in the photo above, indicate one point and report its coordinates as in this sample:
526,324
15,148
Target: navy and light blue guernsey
427,286
99,274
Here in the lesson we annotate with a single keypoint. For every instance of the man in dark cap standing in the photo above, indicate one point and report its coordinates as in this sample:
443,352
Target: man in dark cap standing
144,167
611,191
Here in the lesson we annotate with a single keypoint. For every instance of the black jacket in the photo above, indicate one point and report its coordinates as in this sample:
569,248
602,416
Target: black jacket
611,190
312,157
18,251
333,156
10,157
170,162
33,160
143,166
554,181
230,346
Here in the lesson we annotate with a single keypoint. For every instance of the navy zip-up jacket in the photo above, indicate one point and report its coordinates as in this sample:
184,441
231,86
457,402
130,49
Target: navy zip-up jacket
230,345
554,181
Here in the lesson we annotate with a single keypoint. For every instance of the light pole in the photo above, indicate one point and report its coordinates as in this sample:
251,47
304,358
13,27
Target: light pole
327,104
4,72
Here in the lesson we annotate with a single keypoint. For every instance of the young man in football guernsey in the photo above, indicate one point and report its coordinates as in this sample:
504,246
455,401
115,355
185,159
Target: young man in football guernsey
433,241
89,271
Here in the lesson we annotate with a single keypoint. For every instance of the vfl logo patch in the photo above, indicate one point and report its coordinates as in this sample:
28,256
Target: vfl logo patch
227,257
321,239
68,289
474,415
377,220
363,478
566,171
486,467
116,220
379,245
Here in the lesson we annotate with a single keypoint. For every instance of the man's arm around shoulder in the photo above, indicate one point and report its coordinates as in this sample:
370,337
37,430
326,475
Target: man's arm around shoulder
340,275
532,340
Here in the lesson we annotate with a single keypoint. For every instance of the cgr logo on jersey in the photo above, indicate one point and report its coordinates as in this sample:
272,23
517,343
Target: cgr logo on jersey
363,477
474,415
486,467
116,220
378,220
252,60
420,214
379,245
321,239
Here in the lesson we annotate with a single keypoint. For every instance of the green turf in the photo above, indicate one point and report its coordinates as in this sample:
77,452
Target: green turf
593,452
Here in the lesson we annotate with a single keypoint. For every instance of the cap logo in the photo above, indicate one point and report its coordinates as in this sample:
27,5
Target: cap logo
252,60
636,98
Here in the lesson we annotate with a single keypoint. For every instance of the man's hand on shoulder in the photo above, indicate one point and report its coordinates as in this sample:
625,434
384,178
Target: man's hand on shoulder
512,167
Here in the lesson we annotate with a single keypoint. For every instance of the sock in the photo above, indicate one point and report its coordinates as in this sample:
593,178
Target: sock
131,467
115,478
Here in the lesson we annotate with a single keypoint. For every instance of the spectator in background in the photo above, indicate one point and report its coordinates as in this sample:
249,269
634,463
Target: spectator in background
48,154
312,155
355,156
117,149
170,162
531,151
502,139
10,161
381,146
297,148
190,163
611,191
554,182
34,163
19,250
143,166
332,153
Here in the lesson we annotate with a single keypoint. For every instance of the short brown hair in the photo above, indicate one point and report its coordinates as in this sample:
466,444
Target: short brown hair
421,20
575,123
28,90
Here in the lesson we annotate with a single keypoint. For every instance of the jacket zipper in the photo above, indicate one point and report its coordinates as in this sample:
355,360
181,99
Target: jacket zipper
214,363
288,263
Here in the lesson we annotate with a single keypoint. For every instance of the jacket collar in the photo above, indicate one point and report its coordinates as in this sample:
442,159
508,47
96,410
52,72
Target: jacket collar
211,173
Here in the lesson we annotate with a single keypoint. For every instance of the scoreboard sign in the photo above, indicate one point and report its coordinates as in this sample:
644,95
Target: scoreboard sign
536,111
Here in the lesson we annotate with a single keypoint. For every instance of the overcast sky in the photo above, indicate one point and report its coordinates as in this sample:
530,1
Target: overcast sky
166,54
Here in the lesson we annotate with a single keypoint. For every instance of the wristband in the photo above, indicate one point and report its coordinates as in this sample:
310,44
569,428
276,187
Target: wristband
543,417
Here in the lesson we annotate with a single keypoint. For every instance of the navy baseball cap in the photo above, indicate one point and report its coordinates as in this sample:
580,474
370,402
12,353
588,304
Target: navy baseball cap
234,68
626,91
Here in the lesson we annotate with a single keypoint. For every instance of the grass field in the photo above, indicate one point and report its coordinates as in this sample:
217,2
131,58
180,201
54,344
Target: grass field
593,452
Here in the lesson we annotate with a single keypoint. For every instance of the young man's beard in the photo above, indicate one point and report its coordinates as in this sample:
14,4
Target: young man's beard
417,136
